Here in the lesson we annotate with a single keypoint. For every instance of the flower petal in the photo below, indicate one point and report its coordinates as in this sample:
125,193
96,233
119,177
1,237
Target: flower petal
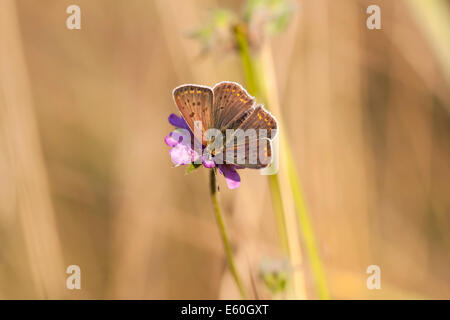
208,163
231,176
181,154
171,141
178,122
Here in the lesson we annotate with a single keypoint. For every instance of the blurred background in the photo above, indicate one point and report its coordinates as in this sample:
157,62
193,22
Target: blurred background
86,179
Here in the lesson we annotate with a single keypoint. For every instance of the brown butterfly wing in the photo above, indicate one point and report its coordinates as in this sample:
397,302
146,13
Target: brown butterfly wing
253,154
260,118
232,105
255,151
195,104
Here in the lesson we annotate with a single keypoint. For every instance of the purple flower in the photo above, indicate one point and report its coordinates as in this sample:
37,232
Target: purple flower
181,142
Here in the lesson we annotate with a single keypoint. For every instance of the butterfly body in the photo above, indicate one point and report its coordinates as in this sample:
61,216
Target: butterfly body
228,109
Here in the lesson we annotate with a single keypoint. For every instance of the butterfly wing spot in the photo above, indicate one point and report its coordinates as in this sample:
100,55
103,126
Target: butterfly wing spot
192,114
238,94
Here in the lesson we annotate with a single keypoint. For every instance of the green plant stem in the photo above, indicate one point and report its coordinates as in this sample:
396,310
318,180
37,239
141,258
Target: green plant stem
254,88
277,203
223,233
255,80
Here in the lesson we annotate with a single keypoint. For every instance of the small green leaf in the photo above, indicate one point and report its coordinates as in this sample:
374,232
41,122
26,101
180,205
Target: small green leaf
275,274
276,282
192,167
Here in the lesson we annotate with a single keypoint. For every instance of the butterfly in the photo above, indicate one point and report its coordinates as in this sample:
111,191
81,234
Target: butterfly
228,106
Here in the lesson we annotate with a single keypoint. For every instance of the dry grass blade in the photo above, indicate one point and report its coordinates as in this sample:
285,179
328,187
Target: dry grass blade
18,123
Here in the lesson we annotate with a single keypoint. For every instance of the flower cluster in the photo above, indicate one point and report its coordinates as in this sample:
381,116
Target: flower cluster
182,152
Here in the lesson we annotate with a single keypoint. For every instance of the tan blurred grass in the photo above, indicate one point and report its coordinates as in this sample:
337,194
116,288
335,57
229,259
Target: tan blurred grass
367,115
28,175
